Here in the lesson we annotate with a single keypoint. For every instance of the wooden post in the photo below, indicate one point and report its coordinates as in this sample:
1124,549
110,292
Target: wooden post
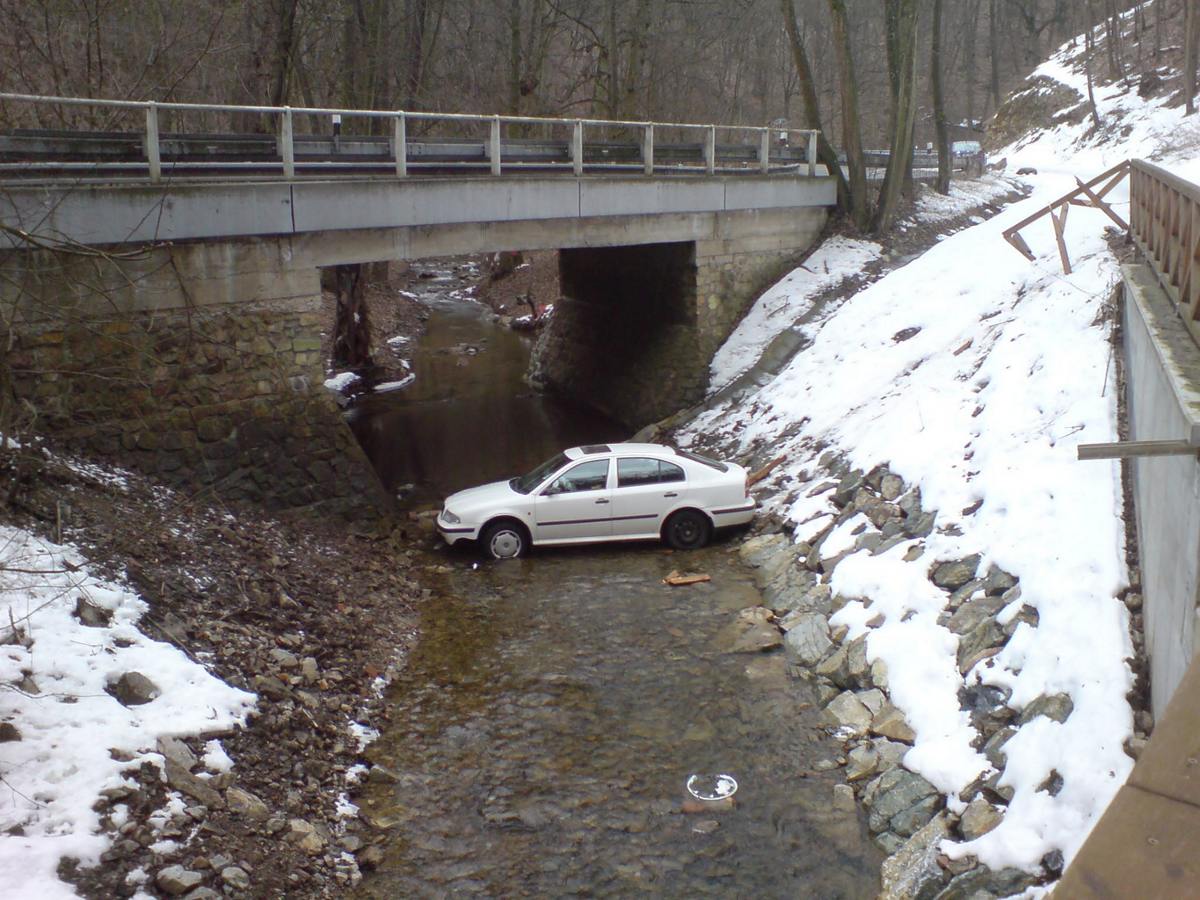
494,146
577,147
287,149
648,148
764,151
400,145
153,157
710,150
813,146
1060,225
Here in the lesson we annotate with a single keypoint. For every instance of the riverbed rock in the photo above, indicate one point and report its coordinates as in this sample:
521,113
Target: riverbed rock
1026,615
91,615
236,878
983,882
1053,706
305,835
912,872
954,574
753,631
247,805
997,581
909,821
862,762
891,487
890,722
186,783
9,733
971,615
847,488
993,748
757,550
986,636
979,818
846,711
873,699
807,639
134,689
899,791
176,880
174,749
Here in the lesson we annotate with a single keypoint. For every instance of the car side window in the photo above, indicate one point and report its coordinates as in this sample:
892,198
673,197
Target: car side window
670,472
636,470
588,476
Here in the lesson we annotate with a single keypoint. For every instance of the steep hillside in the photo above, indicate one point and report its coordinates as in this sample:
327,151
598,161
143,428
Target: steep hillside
943,544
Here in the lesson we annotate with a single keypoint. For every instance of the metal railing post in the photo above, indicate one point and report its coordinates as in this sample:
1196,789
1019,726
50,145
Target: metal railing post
813,144
577,147
287,149
494,146
648,148
710,150
764,151
153,151
400,145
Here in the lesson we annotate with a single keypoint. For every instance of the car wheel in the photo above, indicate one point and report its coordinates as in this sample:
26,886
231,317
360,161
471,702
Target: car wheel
687,530
504,540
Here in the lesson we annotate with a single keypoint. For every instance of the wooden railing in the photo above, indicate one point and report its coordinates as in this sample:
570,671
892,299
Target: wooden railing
1165,225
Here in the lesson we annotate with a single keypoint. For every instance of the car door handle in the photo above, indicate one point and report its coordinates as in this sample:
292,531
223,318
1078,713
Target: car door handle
601,501
671,494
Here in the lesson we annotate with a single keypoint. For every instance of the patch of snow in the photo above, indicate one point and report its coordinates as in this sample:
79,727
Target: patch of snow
215,758
55,772
394,385
341,381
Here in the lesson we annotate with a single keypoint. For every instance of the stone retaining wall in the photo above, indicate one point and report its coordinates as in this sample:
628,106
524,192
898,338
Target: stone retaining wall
225,397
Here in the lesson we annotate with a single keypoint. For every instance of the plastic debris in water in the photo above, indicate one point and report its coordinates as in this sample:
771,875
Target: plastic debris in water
712,787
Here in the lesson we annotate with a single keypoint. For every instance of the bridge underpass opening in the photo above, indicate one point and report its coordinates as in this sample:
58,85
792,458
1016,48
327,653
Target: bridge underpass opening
624,338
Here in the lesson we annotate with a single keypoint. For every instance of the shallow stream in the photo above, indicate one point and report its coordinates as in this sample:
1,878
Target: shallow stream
546,724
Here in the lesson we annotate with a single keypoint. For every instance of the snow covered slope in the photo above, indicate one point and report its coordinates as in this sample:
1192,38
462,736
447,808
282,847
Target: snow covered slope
973,374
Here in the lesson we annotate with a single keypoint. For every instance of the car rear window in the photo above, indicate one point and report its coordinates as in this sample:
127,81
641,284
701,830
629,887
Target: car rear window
703,460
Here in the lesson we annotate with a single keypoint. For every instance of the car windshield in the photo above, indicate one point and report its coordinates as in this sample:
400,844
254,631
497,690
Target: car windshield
527,483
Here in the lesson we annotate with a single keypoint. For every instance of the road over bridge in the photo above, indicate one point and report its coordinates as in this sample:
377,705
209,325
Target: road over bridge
164,286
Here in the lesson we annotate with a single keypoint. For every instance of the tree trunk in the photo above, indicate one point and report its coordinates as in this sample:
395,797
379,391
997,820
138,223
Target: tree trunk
939,103
810,109
1089,38
414,27
904,114
994,50
1191,41
851,129
352,329
514,57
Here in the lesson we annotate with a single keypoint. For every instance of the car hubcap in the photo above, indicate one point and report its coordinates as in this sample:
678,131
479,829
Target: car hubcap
506,544
686,531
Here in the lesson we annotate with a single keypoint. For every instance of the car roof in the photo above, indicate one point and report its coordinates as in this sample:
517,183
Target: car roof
594,449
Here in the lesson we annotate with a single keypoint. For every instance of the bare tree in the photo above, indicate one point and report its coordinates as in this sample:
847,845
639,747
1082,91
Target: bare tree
939,102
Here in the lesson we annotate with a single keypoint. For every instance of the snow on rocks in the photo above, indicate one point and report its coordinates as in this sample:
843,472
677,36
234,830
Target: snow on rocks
88,698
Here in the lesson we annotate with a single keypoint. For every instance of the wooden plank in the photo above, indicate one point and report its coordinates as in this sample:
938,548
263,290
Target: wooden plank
1018,242
1130,449
1059,225
1170,764
1145,846
1099,203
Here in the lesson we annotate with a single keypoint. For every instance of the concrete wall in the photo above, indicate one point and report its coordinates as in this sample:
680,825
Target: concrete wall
200,364
1164,404
638,325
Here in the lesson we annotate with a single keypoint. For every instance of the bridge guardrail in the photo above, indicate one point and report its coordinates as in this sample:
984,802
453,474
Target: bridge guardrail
1165,224
494,144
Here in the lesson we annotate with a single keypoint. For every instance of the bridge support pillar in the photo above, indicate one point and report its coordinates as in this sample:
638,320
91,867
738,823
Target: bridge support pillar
200,363
637,326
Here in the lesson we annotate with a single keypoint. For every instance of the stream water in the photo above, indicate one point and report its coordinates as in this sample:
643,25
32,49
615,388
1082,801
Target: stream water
545,726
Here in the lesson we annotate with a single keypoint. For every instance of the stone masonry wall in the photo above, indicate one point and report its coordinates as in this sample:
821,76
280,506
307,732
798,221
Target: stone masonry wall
222,398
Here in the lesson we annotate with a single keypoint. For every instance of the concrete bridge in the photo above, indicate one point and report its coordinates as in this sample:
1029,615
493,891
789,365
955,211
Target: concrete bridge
165,294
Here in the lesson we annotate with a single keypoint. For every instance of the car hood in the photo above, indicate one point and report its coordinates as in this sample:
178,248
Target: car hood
478,497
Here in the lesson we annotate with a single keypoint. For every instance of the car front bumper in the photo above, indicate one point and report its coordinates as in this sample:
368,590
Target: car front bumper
461,531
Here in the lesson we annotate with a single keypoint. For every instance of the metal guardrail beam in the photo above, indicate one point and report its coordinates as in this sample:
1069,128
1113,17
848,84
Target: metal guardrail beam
494,146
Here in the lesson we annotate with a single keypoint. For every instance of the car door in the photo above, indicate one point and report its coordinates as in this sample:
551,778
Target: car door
577,505
645,491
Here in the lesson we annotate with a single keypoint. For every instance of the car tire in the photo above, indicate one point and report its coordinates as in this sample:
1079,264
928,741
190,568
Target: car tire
505,539
687,529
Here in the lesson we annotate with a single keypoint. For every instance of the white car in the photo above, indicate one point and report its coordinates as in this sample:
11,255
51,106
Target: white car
603,492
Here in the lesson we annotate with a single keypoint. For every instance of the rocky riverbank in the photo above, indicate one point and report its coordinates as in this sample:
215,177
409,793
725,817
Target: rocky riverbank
877,514
306,614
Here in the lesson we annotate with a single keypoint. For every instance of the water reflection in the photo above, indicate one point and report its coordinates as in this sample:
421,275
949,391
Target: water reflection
468,417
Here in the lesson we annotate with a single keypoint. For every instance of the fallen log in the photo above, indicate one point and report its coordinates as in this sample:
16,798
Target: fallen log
755,477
